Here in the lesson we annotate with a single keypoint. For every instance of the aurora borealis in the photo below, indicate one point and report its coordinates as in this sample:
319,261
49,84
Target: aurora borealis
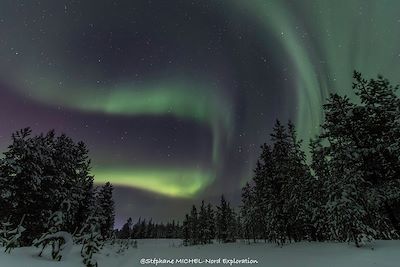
173,98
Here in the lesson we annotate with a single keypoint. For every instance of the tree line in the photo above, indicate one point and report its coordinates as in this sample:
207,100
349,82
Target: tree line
144,229
203,225
200,226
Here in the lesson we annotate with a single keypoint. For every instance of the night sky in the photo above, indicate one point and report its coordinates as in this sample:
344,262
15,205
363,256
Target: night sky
174,98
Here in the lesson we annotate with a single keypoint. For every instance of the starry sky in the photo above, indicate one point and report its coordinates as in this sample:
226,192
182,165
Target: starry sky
174,98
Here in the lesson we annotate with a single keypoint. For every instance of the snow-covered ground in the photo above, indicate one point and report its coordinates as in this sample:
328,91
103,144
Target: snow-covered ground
305,254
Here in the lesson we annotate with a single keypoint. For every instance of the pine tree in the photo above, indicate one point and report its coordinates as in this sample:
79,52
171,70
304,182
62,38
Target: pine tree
106,210
260,197
248,213
60,240
186,230
72,163
92,242
222,224
91,239
194,226
149,229
210,234
239,227
177,231
347,206
203,224
317,193
226,222
361,143
143,229
298,186
280,217
377,119
170,231
232,227
125,232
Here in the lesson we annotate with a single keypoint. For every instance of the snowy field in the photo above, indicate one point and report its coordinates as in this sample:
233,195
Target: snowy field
381,254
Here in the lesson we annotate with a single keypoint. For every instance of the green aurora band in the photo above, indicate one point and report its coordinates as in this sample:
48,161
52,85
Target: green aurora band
184,183
324,40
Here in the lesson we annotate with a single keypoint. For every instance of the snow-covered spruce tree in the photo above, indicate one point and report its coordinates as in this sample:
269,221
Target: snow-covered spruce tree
21,170
92,244
232,227
210,234
60,240
221,220
106,212
90,238
259,200
239,227
264,201
365,138
377,140
178,230
348,207
186,231
297,189
279,212
317,191
113,238
265,196
53,168
175,229
169,229
141,228
194,226
150,229
125,232
203,224
9,236
247,211
135,231
225,222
